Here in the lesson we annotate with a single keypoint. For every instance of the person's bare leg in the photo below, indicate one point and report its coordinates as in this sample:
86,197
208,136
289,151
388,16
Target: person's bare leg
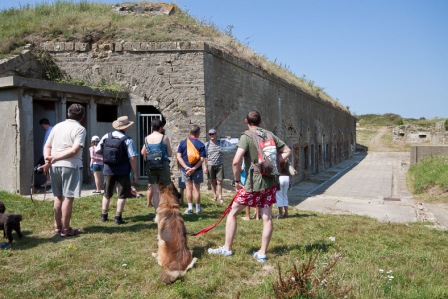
67,207
231,225
286,212
105,204
97,176
266,215
215,196
189,192
155,195
197,193
57,211
247,210
121,202
149,196
219,190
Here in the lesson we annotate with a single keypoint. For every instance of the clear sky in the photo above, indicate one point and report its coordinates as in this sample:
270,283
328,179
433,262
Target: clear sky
374,56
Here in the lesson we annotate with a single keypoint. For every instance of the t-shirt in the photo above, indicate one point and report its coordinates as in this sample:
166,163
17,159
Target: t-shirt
259,182
214,155
182,149
63,136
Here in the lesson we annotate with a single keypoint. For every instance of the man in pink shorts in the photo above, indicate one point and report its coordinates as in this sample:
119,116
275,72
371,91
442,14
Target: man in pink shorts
258,191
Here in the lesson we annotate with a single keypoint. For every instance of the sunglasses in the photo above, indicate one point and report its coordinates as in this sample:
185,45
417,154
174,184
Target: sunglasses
211,134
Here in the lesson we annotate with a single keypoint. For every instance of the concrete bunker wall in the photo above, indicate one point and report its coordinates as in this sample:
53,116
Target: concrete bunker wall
195,83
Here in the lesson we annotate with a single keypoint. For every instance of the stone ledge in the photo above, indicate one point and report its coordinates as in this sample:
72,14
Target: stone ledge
123,46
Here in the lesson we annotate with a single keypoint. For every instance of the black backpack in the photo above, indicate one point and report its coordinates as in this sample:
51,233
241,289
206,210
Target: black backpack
114,150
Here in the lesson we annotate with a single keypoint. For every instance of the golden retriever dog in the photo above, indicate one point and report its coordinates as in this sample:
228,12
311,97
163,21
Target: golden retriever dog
173,254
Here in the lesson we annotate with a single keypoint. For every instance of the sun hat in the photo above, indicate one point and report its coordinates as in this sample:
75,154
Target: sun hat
212,131
95,138
122,123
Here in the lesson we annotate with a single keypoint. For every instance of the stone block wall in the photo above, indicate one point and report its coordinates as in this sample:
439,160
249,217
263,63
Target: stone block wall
195,83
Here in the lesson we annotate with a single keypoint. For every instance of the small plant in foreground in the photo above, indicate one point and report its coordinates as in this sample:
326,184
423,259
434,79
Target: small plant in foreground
306,283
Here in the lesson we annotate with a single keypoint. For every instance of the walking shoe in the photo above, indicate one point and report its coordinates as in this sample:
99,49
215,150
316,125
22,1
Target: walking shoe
220,251
198,211
104,217
119,220
259,257
189,211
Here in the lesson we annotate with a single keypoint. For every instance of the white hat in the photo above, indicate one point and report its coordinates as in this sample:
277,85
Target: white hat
95,138
122,123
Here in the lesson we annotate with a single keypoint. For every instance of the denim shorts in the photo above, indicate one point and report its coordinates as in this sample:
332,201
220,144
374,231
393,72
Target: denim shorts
96,167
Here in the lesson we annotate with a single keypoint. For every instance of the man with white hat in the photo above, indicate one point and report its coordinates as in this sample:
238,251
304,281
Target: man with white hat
118,172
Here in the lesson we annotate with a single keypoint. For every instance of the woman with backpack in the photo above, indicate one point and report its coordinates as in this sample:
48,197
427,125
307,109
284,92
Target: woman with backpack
156,152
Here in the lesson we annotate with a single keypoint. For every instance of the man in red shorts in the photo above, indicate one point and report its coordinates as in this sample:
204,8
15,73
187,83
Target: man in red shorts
258,191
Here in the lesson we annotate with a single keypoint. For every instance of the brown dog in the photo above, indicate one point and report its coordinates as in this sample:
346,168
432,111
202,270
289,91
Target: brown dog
173,254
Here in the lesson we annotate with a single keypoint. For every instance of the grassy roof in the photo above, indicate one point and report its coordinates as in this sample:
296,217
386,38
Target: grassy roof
90,22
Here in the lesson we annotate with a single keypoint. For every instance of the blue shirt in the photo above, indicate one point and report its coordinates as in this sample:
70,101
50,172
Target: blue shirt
182,149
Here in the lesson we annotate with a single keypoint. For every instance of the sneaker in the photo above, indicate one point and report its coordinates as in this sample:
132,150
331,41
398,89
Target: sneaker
220,251
198,211
189,211
96,192
259,257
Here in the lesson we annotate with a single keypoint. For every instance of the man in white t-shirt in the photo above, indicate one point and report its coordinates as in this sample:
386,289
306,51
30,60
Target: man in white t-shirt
63,158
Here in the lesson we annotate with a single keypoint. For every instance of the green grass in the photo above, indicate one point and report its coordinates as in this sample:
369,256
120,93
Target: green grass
115,261
430,177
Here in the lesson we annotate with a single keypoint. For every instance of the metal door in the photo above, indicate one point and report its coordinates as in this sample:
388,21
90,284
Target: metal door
143,130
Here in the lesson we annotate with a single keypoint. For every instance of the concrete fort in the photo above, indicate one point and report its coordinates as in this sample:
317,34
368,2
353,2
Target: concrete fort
184,82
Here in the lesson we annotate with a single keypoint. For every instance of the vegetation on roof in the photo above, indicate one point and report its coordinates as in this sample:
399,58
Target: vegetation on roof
90,22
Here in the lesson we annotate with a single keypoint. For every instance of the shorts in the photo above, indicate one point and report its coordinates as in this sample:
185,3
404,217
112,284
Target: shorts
196,178
180,181
123,183
66,181
260,199
216,172
160,176
96,167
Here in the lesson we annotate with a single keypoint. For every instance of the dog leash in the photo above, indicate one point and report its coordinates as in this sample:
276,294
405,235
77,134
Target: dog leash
226,211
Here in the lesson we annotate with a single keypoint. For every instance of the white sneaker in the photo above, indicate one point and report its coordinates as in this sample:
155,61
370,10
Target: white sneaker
220,251
198,211
259,257
189,211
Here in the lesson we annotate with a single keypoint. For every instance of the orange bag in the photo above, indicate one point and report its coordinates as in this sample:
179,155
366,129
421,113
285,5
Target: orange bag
192,152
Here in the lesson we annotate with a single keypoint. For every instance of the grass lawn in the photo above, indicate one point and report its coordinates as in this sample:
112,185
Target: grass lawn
373,259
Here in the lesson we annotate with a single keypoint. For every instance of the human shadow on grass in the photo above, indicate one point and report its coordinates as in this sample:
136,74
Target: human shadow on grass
29,241
111,228
320,246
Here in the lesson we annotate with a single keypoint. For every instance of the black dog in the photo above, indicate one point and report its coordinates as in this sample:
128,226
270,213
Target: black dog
8,223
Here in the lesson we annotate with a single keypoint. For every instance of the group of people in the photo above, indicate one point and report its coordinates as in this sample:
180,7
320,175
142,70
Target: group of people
63,161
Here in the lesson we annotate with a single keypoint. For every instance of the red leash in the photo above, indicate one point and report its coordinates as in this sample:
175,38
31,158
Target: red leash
203,231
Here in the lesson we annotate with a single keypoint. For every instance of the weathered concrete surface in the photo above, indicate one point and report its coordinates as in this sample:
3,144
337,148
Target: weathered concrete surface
373,185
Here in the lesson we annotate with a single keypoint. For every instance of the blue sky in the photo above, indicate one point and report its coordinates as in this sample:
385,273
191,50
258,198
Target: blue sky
381,56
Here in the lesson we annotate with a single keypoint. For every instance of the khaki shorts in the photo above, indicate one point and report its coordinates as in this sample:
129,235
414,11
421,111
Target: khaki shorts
66,181
215,172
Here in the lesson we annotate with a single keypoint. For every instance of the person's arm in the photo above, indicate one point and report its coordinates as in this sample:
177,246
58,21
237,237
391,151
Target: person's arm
284,151
143,152
133,162
236,167
169,150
